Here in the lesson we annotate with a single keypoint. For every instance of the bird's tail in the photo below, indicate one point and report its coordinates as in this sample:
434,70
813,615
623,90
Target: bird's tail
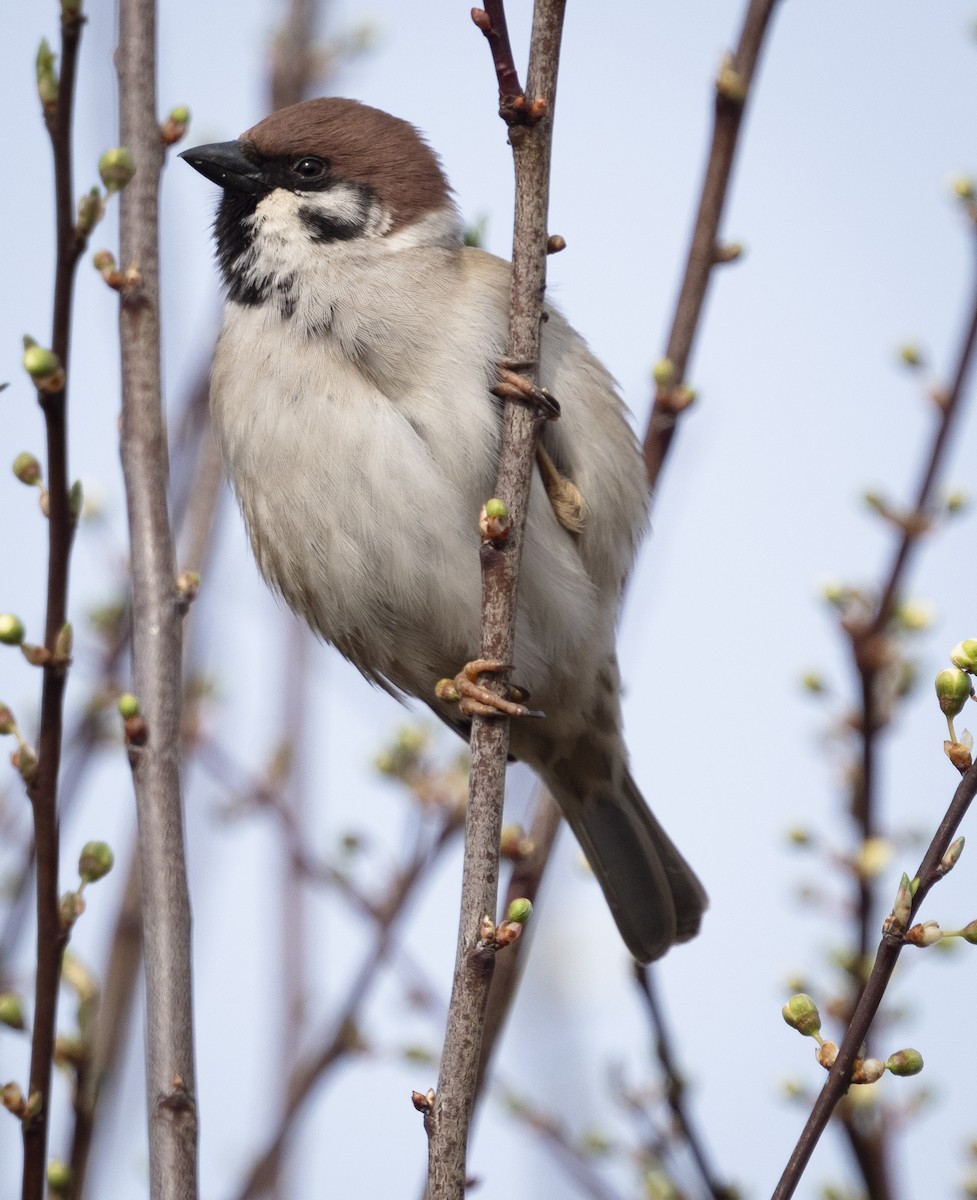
651,890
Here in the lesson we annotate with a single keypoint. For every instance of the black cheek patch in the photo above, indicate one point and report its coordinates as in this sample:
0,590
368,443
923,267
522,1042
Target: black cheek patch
327,227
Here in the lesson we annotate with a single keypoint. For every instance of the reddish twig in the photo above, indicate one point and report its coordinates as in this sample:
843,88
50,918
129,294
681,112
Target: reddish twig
886,957
675,1088
448,1121
732,92
868,643
42,788
525,881
492,22
344,1039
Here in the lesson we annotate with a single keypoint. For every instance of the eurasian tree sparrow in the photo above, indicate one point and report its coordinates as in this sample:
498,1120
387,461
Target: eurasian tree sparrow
351,397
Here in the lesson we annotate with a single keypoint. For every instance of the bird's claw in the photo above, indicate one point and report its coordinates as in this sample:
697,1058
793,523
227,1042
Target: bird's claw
476,700
514,386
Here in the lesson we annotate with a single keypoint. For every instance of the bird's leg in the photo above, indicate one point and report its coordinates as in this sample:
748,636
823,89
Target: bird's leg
514,386
476,700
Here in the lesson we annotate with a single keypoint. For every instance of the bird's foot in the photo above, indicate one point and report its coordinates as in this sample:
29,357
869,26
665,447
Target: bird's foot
476,700
513,385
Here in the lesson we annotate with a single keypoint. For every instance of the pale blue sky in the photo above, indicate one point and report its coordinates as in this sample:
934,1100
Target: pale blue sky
861,117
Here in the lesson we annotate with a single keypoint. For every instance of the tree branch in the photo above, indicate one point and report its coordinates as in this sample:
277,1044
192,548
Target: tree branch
732,92
157,635
42,788
886,957
448,1122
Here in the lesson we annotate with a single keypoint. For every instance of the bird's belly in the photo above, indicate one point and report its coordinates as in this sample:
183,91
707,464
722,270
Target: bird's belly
359,523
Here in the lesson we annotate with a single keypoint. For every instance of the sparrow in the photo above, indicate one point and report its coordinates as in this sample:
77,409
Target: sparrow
352,397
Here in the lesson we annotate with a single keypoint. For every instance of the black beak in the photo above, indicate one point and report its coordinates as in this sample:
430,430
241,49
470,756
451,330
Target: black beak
227,164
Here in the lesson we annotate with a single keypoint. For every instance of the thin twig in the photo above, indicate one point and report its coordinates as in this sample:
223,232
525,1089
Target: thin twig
42,789
868,645
448,1122
886,957
732,92
343,1039
157,635
675,1087
525,880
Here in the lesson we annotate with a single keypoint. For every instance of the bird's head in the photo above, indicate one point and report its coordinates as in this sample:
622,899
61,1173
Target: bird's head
315,174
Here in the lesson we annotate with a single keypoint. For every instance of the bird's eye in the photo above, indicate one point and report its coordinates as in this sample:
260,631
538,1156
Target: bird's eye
311,167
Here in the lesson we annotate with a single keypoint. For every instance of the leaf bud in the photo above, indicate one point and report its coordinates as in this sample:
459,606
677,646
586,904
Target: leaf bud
964,655
59,1177
801,1013
91,209
27,469
95,861
926,933
904,1062
47,77
519,911
868,1070
11,1010
11,629
43,366
116,168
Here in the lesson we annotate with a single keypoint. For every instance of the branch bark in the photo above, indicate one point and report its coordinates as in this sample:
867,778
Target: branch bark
449,1120
156,636
42,789
886,957
732,92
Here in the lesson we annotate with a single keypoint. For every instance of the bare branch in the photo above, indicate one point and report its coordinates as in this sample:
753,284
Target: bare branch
448,1121
732,92
42,788
157,635
886,957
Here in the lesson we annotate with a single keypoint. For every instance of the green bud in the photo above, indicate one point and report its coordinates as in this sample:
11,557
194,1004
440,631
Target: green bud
76,499
27,468
898,919
953,690
8,724
728,252
39,363
70,907
969,933
496,509
11,1010
952,856
59,1177
25,760
95,861
116,167
180,114
957,501
47,77
663,372
964,655
911,355
963,188
904,1062
814,683
12,1098
128,705
11,629
519,911
801,1013
90,212
64,643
